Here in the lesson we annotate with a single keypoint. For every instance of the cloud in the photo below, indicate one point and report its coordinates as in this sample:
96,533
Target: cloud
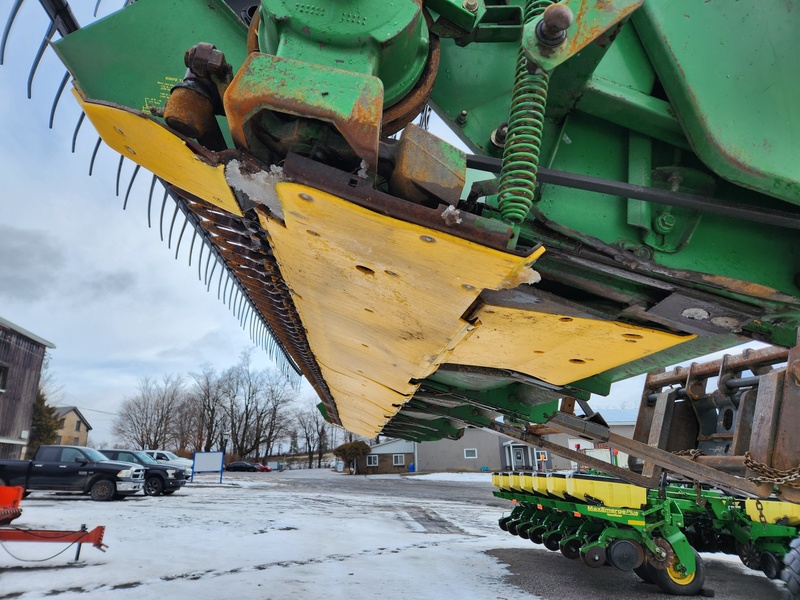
105,284
30,263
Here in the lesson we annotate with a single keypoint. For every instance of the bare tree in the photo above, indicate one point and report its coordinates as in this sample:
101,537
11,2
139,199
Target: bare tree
185,423
272,416
311,432
208,403
146,420
255,404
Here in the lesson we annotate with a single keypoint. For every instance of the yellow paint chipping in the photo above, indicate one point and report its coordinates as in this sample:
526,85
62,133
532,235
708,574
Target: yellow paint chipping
382,300
556,348
151,145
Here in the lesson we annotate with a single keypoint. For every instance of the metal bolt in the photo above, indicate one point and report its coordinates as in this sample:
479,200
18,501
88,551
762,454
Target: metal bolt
664,222
675,181
470,5
552,29
499,135
461,119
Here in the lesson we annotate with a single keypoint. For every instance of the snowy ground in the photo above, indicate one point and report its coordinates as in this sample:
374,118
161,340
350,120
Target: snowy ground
251,538
297,534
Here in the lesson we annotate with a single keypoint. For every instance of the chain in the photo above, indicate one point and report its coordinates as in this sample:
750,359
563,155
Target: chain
767,474
692,453
761,518
697,489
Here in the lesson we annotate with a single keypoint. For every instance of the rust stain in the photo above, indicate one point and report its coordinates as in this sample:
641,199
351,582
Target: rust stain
747,288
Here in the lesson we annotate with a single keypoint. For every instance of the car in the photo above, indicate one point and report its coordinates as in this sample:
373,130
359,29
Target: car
159,478
265,468
165,456
242,465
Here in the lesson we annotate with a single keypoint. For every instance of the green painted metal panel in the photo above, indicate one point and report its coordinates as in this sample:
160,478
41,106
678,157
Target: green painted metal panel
134,56
387,40
731,72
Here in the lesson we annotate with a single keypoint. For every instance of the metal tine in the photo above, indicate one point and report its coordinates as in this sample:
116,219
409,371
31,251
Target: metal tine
94,156
180,236
219,282
161,220
241,298
119,171
235,297
130,185
149,199
77,129
57,98
238,312
245,305
208,259
191,248
96,6
42,47
200,258
172,224
250,320
225,289
211,277
7,30
231,302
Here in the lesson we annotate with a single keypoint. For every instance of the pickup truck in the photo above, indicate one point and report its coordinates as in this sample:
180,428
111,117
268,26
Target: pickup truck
159,478
73,469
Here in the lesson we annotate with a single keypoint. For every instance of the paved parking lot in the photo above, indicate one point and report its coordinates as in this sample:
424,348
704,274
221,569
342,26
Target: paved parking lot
312,534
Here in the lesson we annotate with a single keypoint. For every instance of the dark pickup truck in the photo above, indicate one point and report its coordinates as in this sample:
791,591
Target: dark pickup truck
159,478
73,469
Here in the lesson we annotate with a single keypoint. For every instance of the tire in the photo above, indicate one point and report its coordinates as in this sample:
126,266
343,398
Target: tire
572,549
503,523
671,581
168,492
103,490
535,534
551,542
153,486
644,571
771,565
791,569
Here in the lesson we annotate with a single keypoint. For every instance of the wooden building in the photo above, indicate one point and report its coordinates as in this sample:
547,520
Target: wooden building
73,427
21,360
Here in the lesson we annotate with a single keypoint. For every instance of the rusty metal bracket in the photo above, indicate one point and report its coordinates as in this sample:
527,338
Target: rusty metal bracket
550,40
527,436
352,102
662,458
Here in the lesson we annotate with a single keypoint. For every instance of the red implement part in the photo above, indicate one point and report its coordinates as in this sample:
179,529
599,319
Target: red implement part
9,503
10,498
93,537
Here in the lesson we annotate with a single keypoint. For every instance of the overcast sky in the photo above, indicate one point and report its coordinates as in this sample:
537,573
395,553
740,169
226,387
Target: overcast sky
75,268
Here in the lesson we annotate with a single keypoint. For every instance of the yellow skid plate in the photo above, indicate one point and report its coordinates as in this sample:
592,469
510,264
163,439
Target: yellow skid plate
558,349
382,300
149,144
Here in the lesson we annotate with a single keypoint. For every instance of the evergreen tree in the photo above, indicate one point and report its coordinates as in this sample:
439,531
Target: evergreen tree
44,427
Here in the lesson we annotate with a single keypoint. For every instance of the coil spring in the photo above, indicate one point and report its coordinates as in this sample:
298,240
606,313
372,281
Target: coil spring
524,135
